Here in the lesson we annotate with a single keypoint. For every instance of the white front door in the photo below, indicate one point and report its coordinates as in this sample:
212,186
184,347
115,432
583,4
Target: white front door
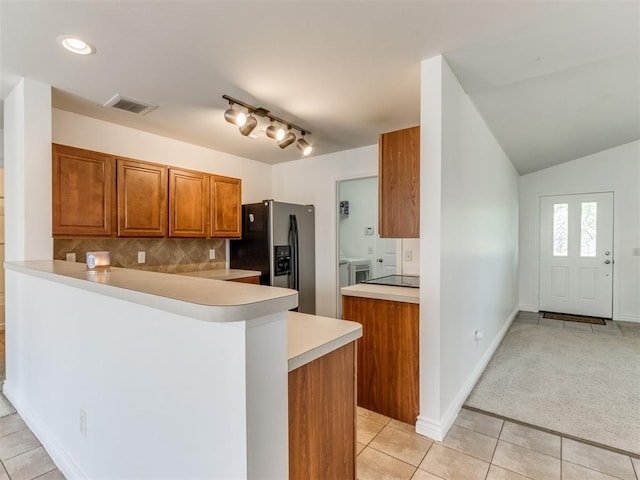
386,261
576,254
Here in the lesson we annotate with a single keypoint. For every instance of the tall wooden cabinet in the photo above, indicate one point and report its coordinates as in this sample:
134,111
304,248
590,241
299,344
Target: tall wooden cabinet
226,198
84,200
188,203
388,355
142,199
399,184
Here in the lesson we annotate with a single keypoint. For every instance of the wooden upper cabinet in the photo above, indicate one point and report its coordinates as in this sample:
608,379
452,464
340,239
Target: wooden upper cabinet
188,203
142,199
399,184
226,207
83,192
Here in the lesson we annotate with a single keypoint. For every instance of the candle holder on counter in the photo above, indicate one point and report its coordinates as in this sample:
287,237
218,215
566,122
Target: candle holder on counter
98,262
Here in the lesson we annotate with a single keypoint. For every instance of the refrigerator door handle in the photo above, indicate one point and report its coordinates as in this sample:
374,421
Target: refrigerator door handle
295,269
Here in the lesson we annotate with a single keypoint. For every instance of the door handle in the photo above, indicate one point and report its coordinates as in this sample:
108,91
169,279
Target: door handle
607,262
380,260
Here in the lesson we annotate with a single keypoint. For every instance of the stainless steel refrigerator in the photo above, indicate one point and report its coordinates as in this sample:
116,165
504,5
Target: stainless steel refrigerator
278,239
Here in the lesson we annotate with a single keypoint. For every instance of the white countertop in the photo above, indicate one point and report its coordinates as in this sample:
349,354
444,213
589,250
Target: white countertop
202,299
383,292
311,336
222,274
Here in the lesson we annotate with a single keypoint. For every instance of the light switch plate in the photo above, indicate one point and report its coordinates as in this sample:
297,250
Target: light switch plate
212,254
408,255
141,257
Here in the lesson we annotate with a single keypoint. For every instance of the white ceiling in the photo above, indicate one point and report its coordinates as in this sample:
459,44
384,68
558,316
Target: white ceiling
553,80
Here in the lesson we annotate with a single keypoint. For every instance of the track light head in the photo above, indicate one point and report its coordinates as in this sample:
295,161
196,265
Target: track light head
276,133
249,125
288,139
304,146
234,116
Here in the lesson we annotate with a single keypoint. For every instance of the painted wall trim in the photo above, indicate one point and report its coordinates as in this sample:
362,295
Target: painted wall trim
627,318
528,308
45,436
438,430
429,428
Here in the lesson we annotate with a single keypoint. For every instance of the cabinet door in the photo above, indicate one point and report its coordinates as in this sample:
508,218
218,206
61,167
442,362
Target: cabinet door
188,203
388,356
83,192
142,199
226,207
399,184
322,417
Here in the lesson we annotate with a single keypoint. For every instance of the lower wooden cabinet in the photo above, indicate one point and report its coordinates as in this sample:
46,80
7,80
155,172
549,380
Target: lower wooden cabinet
254,280
388,355
322,417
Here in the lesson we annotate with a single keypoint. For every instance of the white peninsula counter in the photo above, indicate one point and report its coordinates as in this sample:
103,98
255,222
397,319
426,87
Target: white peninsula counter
174,376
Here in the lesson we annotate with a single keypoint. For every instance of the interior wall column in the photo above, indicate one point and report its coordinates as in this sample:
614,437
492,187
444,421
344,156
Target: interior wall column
27,120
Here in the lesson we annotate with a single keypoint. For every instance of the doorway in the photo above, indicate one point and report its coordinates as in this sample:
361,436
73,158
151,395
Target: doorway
576,254
362,254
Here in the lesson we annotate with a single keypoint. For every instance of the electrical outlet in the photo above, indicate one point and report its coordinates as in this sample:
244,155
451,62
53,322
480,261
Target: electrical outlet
212,254
370,250
141,257
83,422
70,257
408,255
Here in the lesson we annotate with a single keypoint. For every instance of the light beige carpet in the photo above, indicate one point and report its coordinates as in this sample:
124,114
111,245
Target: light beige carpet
578,383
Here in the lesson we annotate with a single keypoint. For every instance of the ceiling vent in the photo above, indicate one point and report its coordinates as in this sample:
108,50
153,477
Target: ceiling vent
130,105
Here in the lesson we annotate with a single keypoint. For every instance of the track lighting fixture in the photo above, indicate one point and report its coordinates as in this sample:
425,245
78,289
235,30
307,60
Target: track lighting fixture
277,133
288,139
236,117
247,124
304,146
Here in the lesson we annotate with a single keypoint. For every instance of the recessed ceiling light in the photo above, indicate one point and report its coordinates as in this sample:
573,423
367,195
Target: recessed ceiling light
76,45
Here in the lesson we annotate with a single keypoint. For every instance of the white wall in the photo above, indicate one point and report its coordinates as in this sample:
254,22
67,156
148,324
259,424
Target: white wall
362,196
27,137
614,170
314,181
469,226
86,132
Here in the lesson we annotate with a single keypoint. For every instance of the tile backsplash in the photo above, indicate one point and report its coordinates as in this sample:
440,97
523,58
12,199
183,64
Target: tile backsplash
162,254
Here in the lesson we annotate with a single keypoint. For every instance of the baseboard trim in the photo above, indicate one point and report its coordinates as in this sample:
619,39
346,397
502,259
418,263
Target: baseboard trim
528,308
58,454
627,318
437,430
429,428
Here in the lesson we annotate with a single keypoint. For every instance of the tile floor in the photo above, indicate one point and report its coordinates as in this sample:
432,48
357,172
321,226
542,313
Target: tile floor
480,447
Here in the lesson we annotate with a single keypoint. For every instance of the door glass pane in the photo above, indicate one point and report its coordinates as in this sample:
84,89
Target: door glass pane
560,229
588,223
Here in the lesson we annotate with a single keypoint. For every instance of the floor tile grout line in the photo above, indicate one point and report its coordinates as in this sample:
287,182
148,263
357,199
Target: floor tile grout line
595,470
553,432
493,454
3,460
45,473
394,457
